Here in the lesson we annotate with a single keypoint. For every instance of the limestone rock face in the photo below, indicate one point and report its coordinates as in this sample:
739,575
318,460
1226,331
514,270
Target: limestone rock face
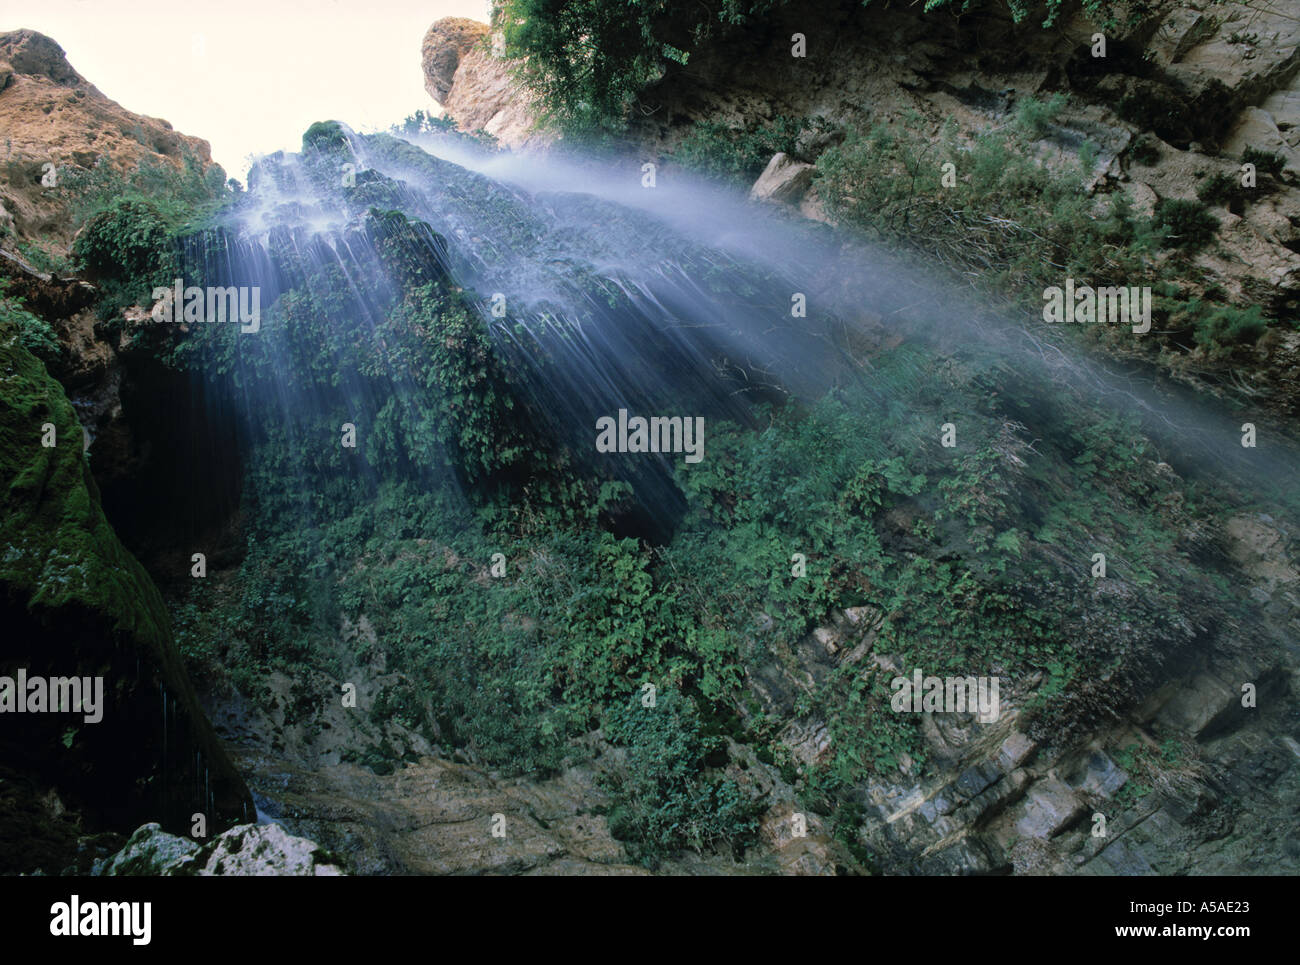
783,181
51,116
464,73
244,850
149,851
1171,104
445,44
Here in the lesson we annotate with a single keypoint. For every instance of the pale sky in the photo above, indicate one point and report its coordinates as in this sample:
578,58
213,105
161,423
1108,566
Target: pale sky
248,76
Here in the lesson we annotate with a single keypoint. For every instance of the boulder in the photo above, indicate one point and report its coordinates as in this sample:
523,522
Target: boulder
1016,750
1196,708
245,850
783,181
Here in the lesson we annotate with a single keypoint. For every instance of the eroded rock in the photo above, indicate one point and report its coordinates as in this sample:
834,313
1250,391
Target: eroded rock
244,850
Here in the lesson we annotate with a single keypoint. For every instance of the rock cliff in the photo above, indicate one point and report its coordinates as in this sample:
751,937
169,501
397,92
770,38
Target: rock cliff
465,74
73,599
55,119
1166,107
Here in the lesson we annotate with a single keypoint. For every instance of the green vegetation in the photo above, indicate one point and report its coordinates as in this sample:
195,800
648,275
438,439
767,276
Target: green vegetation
1217,328
128,223
518,666
45,258
514,618
325,136
1185,224
1173,765
1224,189
62,552
1034,118
126,250
740,153
422,123
1265,162
589,60
662,805
34,333
65,576
1021,226
1025,225
516,622
183,195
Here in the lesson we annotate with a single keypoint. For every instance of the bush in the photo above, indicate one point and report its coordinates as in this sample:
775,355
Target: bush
325,136
1264,161
1186,224
421,122
129,222
740,154
127,250
1218,327
34,333
667,801
889,181
1035,117
1225,190
182,195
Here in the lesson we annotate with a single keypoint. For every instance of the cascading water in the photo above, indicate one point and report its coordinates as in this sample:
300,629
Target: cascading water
460,324
591,307
599,295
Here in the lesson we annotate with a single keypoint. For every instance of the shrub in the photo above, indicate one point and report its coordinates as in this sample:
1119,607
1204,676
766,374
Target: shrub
740,154
423,123
1186,224
182,194
129,222
1218,327
1035,117
34,333
667,801
889,181
126,249
325,136
1223,189
1264,161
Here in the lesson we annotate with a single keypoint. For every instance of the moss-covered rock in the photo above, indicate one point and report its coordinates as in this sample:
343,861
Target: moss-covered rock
74,602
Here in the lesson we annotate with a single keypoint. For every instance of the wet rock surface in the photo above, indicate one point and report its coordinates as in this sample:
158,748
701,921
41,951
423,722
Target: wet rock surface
244,850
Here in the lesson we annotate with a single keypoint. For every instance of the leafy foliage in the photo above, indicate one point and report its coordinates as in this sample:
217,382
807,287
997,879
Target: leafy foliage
126,248
1186,224
1020,226
517,621
667,802
128,223
34,333
590,59
740,154
183,194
